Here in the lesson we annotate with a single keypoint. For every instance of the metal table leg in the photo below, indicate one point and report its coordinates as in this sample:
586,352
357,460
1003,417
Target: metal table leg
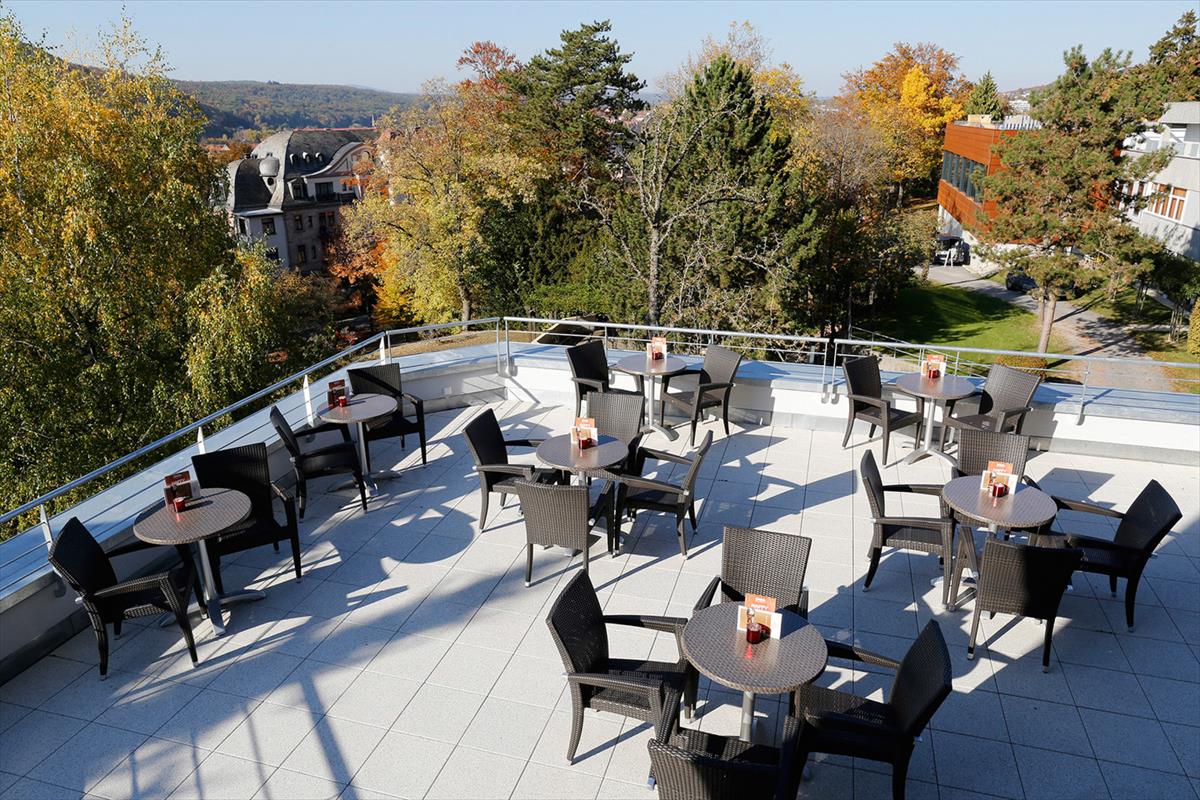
747,734
651,382
927,448
212,600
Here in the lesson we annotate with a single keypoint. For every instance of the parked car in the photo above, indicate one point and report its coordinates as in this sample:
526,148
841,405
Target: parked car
1018,281
951,250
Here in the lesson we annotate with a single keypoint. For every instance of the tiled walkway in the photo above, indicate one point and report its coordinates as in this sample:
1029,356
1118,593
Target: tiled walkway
412,662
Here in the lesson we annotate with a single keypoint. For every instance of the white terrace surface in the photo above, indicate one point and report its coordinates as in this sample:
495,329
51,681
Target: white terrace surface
412,662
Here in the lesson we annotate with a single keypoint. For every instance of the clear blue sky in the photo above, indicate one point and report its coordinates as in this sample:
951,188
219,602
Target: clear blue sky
397,46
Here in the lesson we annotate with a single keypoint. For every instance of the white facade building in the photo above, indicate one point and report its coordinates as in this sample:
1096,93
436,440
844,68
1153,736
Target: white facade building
1171,212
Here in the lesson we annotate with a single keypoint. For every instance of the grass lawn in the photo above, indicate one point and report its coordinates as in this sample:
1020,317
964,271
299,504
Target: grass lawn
951,316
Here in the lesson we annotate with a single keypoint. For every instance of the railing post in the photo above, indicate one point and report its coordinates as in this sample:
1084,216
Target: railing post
499,371
383,356
957,359
200,439
308,405
507,350
46,532
1087,374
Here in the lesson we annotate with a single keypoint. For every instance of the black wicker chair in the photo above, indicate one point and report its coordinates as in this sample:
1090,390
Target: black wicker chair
636,687
844,724
1020,579
1150,517
636,493
689,764
1005,401
332,459
385,379
865,398
489,449
714,384
977,447
925,534
759,562
590,373
247,470
621,416
84,565
559,516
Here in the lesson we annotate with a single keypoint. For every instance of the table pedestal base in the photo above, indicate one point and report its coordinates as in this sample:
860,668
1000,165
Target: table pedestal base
927,448
658,427
214,608
747,734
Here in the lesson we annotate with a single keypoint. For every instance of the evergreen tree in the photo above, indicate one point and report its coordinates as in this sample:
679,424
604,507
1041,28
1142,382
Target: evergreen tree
985,99
1174,61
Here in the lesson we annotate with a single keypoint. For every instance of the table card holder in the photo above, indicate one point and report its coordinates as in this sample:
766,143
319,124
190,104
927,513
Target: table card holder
656,349
177,489
336,395
584,433
998,479
761,610
934,366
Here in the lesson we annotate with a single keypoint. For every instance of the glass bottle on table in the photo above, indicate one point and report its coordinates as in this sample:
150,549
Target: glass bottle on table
754,629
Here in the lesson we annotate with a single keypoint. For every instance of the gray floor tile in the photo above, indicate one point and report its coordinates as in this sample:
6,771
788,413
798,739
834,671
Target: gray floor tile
268,734
1107,690
287,785
403,764
1186,741
314,685
221,776
153,770
1129,740
1173,701
968,762
540,782
1051,775
506,727
207,719
374,699
87,697
147,706
477,774
471,669
33,737
1039,723
439,713
334,750
10,714
26,789
89,756
1127,782
37,685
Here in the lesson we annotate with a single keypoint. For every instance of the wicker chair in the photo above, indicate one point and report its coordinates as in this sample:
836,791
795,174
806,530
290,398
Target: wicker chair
621,416
1006,398
332,459
590,373
636,687
1020,579
714,385
865,395
247,470
84,565
1150,517
641,493
385,379
844,724
688,764
559,516
489,448
925,534
759,562
977,447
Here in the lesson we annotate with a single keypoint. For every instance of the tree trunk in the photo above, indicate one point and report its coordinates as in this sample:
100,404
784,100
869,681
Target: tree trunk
899,194
652,260
1047,321
466,303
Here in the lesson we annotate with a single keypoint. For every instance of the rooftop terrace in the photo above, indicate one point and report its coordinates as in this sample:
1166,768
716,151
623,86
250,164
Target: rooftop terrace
411,661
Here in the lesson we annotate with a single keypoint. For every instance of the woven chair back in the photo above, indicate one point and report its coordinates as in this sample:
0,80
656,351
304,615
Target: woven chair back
764,562
922,682
245,469
577,625
1150,517
378,379
554,515
485,439
976,448
80,560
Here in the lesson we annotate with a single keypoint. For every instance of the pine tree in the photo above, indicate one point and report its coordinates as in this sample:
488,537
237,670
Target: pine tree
1175,60
985,99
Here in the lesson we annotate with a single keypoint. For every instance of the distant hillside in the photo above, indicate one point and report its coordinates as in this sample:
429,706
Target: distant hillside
234,105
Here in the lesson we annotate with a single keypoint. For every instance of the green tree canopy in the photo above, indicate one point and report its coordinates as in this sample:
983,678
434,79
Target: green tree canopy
985,99
1174,60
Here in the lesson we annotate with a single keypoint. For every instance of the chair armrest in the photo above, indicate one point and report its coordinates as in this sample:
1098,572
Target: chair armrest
591,383
1003,415
523,470
871,401
160,580
662,455
837,721
289,504
1076,540
925,523
849,652
647,621
646,483
705,387
135,546
417,402
628,683
280,492
803,605
1086,508
915,488
709,593
523,442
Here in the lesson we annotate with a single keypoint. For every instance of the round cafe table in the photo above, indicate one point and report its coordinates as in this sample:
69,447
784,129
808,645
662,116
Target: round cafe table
359,410
779,665
1025,507
208,513
655,370
561,453
935,392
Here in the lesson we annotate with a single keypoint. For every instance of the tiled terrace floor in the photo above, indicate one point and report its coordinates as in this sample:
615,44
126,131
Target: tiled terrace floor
412,662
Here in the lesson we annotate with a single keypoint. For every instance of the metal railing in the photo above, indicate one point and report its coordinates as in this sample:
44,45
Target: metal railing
811,350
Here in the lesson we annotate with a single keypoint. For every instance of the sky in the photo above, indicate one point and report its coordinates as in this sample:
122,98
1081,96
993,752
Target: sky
398,46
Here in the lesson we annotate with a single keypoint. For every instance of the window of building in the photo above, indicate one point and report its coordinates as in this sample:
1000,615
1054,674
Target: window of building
1168,201
298,222
241,226
269,226
273,254
313,249
310,222
301,255
324,190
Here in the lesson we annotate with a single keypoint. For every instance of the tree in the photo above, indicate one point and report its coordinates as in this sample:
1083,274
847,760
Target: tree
1174,61
985,99
1055,193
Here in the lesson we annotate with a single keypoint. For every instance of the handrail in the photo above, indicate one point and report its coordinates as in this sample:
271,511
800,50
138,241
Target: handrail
157,443
668,329
1052,356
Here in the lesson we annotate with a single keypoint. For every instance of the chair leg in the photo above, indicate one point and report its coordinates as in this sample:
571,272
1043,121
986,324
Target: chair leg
276,546
102,643
1046,645
301,493
691,688
185,625
215,563
578,404
900,775
725,413
849,429
974,630
362,490
116,629
692,516
576,725
421,436
1131,587
484,494
1112,585
887,438
529,563
871,431
695,421
295,541
875,553
679,533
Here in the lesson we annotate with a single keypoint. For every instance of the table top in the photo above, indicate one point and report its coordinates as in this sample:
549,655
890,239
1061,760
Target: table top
644,365
712,642
209,512
561,452
1026,507
947,387
359,408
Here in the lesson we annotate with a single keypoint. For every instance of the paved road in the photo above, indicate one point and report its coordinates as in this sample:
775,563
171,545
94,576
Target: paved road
1085,332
